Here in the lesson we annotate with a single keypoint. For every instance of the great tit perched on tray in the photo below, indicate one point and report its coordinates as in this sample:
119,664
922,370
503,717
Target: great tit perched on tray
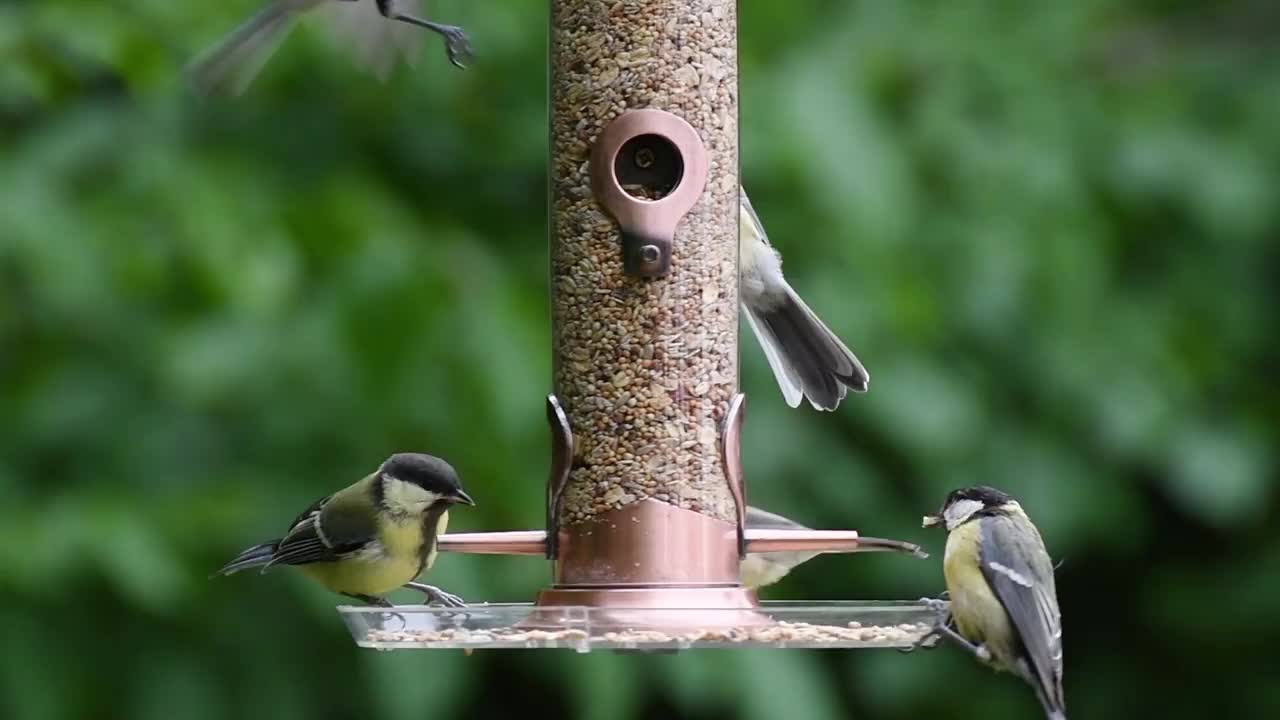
372,537
230,66
1000,583
807,359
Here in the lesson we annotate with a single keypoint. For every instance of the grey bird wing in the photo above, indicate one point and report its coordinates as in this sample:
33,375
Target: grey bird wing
757,518
1021,575
324,532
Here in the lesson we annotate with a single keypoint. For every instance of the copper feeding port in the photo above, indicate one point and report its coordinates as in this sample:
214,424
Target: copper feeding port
648,168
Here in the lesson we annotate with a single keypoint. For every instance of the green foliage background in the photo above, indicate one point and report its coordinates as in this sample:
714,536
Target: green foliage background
1049,229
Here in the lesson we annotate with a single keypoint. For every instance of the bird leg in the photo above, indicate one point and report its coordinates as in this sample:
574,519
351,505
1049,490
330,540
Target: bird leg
378,602
979,651
437,596
456,44
930,639
370,600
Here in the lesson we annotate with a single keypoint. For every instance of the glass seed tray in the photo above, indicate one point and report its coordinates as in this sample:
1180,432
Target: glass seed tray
801,625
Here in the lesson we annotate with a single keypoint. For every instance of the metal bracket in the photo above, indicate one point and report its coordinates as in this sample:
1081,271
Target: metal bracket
648,168
731,456
561,463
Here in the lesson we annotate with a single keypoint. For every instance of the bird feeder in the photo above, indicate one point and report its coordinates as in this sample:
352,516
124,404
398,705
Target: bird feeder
646,499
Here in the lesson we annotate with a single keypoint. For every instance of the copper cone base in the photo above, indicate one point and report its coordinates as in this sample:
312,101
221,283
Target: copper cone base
635,561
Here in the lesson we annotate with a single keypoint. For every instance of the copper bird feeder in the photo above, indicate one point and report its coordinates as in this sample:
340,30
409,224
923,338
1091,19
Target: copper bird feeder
646,500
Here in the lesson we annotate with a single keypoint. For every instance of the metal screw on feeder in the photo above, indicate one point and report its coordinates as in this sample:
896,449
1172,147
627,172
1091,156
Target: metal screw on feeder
646,500
650,254
648,170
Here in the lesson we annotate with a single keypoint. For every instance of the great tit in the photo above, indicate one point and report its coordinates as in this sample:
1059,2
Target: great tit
1000,583
807,359
373,537
230,66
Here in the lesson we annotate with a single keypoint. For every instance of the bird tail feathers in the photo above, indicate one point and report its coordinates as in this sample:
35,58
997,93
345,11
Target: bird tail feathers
806,357
230,66
256,556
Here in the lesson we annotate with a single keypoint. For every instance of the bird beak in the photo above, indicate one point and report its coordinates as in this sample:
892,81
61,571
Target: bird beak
460,496
931,520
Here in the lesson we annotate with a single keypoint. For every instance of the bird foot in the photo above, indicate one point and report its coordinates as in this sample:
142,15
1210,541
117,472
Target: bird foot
941,607
457,46
379,602
436,596
928,641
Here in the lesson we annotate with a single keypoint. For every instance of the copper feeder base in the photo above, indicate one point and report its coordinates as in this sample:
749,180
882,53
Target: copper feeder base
634,562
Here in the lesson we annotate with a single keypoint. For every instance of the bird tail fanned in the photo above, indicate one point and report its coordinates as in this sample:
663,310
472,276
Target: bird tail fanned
256,556
228,67
806,357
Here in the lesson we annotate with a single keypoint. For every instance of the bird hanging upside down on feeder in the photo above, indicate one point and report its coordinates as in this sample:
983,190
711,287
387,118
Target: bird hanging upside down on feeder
807,359
1000,583
372,537
230,66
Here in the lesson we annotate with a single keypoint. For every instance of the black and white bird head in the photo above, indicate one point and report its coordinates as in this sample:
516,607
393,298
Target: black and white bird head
415,482
967,503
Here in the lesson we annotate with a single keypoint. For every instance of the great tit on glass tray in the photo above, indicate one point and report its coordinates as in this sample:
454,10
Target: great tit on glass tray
1000,582
807,359
374,30
373,537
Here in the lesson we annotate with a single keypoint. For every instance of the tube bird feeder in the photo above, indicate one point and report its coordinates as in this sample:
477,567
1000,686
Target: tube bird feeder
646,499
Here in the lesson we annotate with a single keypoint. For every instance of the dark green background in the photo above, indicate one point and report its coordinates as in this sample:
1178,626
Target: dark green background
1049,229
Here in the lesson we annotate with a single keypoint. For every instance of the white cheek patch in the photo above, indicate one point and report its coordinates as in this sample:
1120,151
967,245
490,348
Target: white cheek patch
403,494
1010,573
960,511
